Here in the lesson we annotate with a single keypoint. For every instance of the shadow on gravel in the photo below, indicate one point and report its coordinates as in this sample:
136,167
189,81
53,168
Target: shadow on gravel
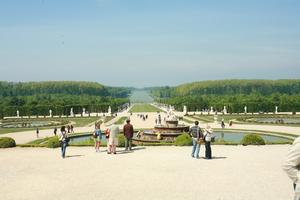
133,150
71,156
215,158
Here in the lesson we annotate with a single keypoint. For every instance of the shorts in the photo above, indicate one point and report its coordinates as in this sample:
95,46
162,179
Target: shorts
113,141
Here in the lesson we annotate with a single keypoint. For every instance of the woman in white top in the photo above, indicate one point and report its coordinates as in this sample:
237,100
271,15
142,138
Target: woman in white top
208,132
113,138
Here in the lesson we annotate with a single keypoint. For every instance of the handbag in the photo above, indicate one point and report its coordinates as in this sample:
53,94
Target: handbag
201,141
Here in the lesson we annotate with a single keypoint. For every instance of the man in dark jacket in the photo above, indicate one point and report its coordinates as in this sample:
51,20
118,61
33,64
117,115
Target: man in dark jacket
197,135
128,133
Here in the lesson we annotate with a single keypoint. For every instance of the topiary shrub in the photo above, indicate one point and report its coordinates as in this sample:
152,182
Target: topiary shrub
7,142
53,142
252,139
183,140
121,140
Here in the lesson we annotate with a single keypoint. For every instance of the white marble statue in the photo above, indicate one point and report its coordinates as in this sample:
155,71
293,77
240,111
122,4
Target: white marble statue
184,110
245,109
18,113
276,109
225,110
83,111
50,113
211,109
71,112
109,110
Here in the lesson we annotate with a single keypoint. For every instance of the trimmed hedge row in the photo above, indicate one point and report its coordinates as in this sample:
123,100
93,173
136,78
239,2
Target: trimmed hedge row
7,142
183,140
53,142
253,139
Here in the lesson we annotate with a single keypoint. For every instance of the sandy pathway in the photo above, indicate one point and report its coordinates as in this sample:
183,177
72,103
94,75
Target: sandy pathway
238,173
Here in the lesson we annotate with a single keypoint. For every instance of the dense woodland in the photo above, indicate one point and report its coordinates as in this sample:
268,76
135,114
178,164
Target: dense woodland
36,98
257,95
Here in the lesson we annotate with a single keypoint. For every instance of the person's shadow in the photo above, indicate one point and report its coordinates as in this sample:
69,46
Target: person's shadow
132,151
72,156
220,157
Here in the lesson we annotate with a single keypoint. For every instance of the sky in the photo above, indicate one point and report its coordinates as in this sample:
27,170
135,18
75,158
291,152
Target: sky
144,43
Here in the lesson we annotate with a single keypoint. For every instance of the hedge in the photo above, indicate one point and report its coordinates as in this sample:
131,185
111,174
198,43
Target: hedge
252,139
53,142
7,142
183,140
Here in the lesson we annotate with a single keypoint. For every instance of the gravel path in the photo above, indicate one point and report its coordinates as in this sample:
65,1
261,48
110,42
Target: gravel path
236,173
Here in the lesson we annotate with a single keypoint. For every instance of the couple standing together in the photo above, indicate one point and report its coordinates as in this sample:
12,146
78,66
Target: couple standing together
198,137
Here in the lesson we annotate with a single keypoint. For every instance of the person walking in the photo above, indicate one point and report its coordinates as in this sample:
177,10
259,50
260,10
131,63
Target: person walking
291,166
97,136
197,136
64,141
55,131
37,132
222,124
128,133
207,138
113,138
72,128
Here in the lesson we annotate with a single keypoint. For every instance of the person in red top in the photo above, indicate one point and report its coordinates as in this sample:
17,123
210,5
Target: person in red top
128,133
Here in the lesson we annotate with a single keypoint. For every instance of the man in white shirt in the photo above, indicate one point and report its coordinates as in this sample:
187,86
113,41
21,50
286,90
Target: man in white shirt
292,165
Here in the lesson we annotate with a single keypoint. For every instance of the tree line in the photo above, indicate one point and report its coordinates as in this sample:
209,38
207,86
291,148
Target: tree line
37,98
257,95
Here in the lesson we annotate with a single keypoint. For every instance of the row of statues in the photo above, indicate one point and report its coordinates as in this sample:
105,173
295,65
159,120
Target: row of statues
224,110
71,112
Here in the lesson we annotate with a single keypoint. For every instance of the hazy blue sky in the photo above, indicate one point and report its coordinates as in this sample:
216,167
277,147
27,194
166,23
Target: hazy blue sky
149,42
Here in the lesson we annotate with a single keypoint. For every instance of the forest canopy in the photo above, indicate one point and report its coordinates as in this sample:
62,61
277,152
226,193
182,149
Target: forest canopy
257,95
37,98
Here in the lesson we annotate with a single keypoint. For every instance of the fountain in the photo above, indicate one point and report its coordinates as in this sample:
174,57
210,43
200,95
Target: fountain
166,132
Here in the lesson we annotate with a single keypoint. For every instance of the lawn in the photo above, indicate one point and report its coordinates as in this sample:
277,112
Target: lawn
121,120
144,108
79,122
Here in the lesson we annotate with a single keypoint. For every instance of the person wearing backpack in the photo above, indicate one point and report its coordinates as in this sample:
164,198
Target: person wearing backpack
97,136
64,141
197,136
207,139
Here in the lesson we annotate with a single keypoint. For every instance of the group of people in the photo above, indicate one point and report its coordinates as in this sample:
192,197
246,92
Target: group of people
199,137
111,135
142,116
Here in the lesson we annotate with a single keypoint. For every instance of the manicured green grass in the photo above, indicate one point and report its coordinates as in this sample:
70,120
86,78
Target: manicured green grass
144,108
121,120
188,120
80,122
